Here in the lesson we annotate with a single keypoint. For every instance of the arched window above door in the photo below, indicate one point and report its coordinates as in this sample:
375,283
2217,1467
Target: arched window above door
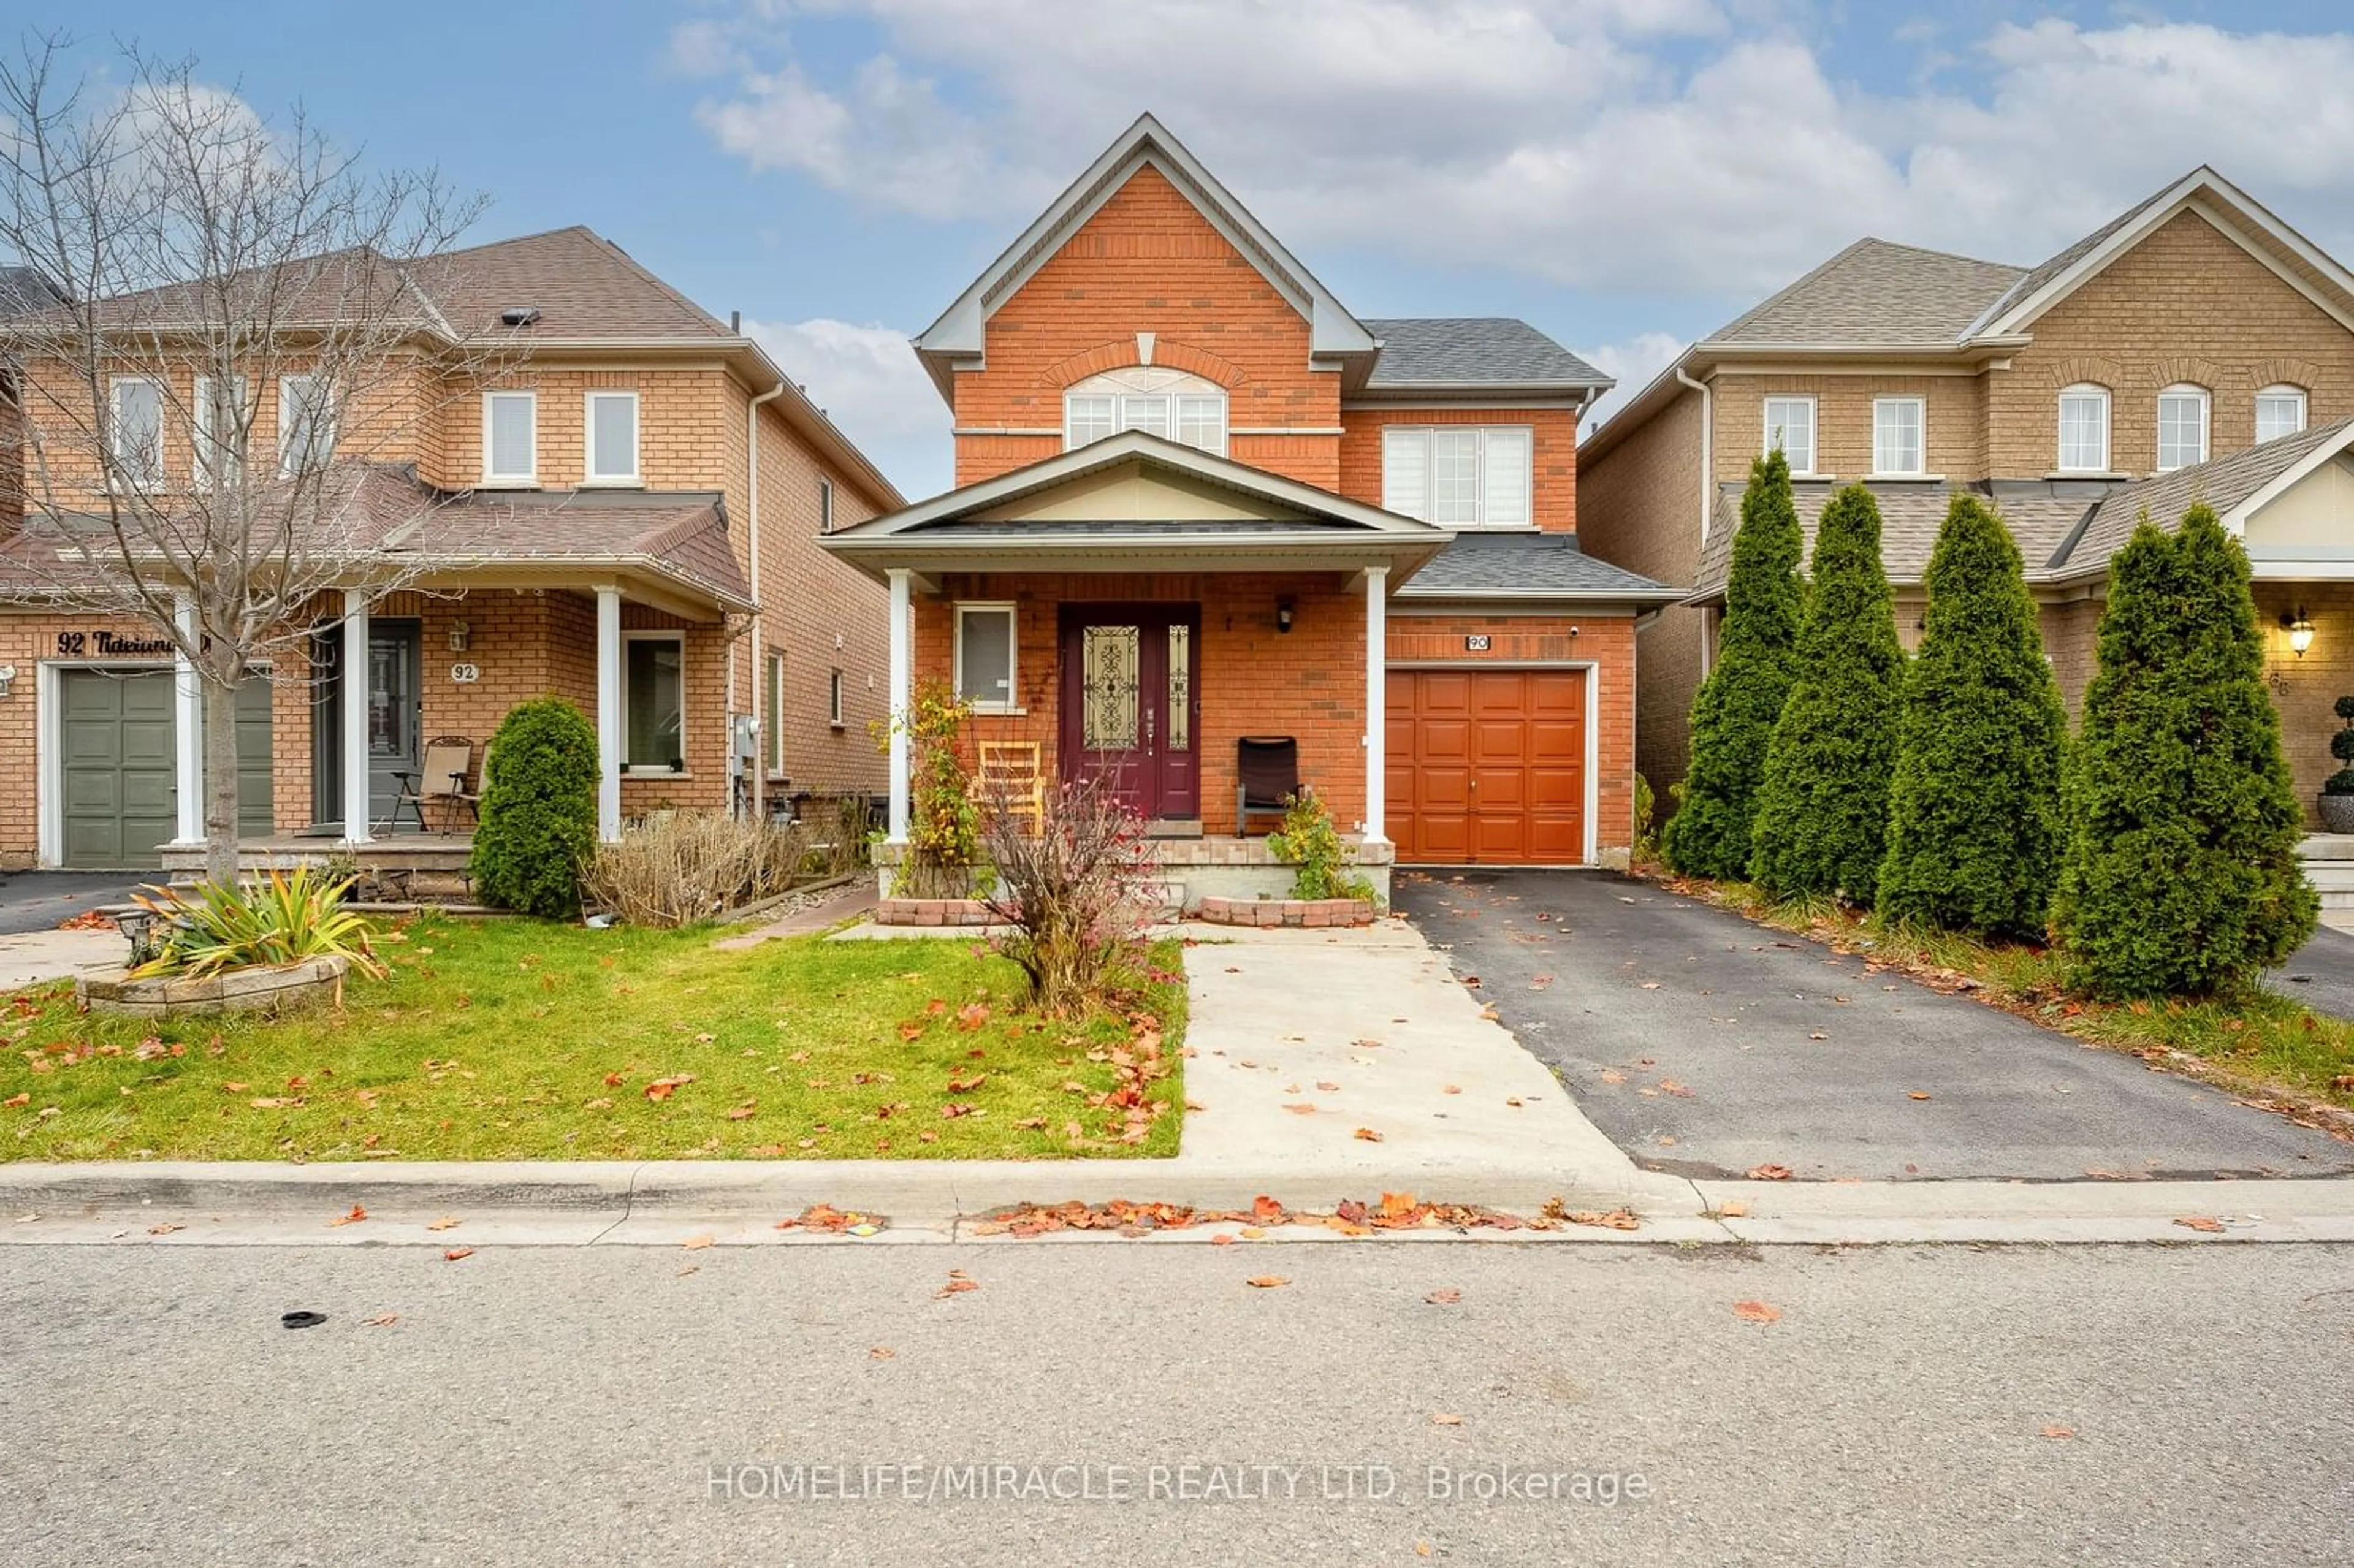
1168,403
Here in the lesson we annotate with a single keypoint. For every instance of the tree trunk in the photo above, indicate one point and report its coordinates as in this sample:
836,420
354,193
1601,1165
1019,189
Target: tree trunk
222,675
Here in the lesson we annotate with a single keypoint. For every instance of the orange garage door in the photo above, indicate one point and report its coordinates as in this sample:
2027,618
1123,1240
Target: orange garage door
1487,767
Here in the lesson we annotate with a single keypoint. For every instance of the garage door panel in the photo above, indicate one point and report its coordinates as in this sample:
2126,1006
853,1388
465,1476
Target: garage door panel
1520,734
117,770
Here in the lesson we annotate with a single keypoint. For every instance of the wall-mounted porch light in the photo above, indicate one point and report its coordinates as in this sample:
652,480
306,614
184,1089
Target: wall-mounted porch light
7,678
460,634
1283,608
2300,632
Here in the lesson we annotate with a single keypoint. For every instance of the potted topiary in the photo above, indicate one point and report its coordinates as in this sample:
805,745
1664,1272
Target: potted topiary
2337,790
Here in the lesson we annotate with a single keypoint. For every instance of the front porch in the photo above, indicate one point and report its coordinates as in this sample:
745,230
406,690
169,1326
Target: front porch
430,867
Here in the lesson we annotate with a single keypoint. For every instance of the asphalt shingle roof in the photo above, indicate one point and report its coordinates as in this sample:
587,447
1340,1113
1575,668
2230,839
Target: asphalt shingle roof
1910,517
1473,351
2222,482
1876,293
24,289
1541,566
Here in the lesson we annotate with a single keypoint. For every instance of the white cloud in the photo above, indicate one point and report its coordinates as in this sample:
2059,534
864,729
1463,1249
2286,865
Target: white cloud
869,382
1630,144
1633,363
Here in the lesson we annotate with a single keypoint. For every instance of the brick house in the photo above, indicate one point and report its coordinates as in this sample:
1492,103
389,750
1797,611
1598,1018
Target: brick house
625,513
2194,347
1199,501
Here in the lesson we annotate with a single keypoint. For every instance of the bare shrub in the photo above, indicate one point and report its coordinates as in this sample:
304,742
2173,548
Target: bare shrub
671,871
1072,896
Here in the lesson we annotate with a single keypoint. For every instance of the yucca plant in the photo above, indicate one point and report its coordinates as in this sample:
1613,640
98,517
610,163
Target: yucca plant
287,917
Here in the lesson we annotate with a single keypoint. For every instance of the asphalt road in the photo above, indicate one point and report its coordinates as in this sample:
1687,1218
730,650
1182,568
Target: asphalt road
39,900
1706,1045
564,1407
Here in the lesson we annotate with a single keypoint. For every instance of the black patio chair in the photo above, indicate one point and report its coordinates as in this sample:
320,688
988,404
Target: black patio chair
1267,768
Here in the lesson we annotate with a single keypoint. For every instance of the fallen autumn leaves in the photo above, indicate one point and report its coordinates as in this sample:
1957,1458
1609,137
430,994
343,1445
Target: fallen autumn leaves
1394,1212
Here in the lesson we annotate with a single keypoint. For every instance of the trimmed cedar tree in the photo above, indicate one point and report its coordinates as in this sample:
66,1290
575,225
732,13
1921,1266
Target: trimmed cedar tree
538,823
2182,876
1732,718
1975,824
1822,810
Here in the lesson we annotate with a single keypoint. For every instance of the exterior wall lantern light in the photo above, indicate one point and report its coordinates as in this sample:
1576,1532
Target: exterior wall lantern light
2300,632
1283,608
461,635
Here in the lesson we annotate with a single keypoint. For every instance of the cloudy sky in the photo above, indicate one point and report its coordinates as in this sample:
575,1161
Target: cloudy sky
1625,173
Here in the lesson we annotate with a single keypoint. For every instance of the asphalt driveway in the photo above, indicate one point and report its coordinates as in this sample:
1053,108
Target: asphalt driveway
1705,1046
39,900
2320,974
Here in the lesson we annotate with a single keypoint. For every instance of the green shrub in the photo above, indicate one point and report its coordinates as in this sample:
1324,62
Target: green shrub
2182,876
1733,718
2341,747
287,917
1975,829
1822,810
1308,841
539,809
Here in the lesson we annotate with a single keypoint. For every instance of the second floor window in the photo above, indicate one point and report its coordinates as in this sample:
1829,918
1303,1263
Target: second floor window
826,506
1459,476
1149,398
1898,441
220,415
510,438
2181,426
2280,411
2084,430
306,423
136,436
612,439
1790,425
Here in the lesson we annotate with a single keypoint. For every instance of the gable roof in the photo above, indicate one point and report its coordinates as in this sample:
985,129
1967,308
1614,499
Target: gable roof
1423,353
2233,486
958,334
2300,263
1874,294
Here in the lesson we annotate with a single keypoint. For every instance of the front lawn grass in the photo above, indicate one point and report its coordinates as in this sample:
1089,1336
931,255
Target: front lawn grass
2267,1047
517,1040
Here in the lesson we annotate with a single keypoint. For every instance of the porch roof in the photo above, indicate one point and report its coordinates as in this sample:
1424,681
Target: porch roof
1134,501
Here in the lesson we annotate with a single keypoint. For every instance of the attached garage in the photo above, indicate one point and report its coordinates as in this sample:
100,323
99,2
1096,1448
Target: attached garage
116,775
1488,767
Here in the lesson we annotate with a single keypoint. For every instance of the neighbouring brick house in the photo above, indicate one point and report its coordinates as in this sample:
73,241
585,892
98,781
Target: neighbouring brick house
624,511
1199,501
2195,347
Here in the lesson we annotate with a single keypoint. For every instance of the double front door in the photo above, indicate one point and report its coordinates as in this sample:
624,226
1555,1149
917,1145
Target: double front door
1130,704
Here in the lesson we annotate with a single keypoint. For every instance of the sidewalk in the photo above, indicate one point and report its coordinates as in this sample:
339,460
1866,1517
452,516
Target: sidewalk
36,958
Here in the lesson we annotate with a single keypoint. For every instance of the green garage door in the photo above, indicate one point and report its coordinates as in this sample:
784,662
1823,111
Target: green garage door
117,773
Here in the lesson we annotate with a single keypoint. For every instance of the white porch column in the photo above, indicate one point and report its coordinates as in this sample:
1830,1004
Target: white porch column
356,717
1377,678
188,732
609,738
903,687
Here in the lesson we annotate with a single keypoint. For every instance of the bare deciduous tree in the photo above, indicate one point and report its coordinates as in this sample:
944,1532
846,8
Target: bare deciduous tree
248,327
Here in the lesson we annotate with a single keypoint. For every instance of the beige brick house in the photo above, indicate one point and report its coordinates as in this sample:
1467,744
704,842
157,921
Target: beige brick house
624,513
2194,347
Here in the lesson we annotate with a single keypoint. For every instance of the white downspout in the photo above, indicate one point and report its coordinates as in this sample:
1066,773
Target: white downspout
1707,494
760,639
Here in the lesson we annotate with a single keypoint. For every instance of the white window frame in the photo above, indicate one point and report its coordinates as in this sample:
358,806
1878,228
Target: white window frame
1920,407
2081,391
117,467
2285,392
1132,393
492,478
1006,608
644,769
1814,431
772,714
824,505
1419,442
589,478
833,700
325,453
2185,389
200,432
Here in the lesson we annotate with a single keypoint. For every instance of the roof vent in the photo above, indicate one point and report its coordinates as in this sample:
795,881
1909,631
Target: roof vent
519,316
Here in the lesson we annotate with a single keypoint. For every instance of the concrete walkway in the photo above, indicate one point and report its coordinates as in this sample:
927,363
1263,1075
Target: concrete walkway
835,905
37,957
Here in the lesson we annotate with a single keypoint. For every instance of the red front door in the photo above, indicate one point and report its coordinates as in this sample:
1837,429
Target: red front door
1130,709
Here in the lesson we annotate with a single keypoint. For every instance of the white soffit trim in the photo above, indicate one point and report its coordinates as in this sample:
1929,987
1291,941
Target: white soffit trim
957,331
2223,205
